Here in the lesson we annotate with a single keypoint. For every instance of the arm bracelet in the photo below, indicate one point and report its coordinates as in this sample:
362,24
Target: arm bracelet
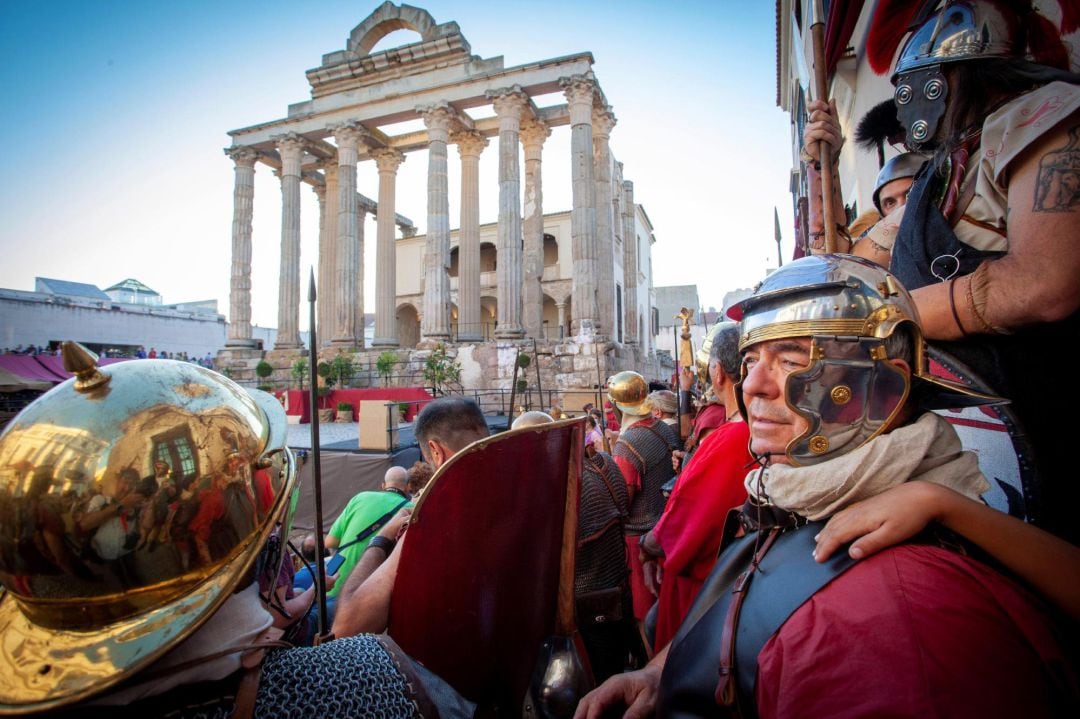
384,543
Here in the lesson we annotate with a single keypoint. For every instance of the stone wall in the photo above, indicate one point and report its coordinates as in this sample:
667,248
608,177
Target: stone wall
569,369
38,319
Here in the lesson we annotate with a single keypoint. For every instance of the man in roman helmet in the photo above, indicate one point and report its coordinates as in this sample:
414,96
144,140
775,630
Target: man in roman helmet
987,242
643,455
837,395
146,633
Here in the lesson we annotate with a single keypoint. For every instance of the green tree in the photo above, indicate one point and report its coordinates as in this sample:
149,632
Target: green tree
441,370
384,365
300,371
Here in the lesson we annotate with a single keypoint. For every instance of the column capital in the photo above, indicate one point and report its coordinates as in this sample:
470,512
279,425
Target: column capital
470,143
291,148
320,192
509,102
349,135
603,121
579,89
628,186
534,132
387,159
242,155
438,117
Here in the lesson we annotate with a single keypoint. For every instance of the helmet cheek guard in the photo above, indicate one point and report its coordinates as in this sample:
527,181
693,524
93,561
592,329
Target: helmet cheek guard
921,98
848,394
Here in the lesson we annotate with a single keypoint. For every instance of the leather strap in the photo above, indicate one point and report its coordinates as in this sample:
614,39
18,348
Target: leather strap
247,693
727,693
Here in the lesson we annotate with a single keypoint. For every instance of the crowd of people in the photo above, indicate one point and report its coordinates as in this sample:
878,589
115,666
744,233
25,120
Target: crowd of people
206,360
811,541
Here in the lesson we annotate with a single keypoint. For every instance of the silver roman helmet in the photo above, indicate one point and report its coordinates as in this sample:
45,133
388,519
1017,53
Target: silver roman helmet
962,30
906,164
857,316
134,500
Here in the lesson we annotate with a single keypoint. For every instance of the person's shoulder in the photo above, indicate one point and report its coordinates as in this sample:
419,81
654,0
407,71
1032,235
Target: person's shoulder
1017,124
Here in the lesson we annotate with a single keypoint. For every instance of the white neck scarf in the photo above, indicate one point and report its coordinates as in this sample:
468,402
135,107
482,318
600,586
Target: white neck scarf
927,449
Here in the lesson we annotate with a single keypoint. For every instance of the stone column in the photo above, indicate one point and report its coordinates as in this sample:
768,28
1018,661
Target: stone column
533,134
580,91
470,145
630,262
436,325
320,193
240,276
603,122
560,307
348,137
291,149
509,104
387,160
327,279
358,300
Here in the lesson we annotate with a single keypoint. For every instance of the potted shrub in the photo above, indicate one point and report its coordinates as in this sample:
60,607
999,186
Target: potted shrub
342,370
263,370
344,412
299,372
384,365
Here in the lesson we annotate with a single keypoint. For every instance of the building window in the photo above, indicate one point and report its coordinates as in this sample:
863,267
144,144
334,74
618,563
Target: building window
175,448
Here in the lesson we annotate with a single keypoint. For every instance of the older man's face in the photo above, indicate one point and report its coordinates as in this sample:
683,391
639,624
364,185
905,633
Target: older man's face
772,423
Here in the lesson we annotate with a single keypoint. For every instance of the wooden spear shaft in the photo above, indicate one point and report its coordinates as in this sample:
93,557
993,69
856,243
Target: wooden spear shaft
821,89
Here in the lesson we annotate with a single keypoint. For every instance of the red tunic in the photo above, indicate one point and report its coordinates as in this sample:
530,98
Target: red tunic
917,631
690,529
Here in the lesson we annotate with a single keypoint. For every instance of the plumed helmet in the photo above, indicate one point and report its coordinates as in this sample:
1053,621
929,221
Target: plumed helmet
133,501
962,30
858,317
906,164
628,390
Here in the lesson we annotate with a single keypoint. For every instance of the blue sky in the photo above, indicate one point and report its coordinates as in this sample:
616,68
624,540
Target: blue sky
116,114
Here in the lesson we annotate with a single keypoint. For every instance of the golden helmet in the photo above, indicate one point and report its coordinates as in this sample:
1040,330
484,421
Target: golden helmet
133,501
629,390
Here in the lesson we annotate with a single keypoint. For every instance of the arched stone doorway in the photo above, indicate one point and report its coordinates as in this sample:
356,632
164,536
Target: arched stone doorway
551,319
489,313
408,326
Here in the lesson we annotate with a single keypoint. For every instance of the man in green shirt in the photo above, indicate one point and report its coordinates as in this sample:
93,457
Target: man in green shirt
363,511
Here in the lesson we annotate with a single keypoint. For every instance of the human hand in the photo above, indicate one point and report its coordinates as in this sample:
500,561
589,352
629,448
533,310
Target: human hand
636,690
686,379
881,521
676,459
331,580
822,126
651,570
396,525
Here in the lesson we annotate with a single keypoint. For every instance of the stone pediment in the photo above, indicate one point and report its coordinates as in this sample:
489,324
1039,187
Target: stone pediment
356,66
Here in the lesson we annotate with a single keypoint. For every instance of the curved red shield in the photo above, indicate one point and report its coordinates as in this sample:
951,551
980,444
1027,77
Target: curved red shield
487,572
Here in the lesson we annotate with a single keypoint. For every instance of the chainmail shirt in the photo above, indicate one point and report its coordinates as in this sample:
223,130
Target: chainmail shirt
647,446
349,677
601,557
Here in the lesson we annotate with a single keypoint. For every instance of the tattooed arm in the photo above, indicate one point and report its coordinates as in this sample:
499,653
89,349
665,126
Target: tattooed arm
1039,279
